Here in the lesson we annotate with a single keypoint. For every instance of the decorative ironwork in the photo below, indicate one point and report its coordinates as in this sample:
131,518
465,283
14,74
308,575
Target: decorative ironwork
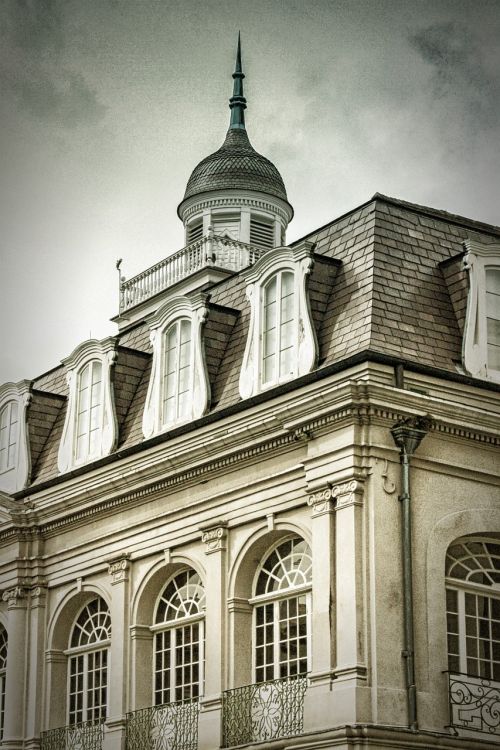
172,726
88,735
264,711
474,703
209,251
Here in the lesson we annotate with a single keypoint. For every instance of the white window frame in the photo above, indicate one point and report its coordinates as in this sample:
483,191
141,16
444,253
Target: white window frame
105,353
88,453
12,441
279,376
193,308
15,474
479,257
180,416
297,260
173,625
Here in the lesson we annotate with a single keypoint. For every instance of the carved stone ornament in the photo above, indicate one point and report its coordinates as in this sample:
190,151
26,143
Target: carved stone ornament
194,308
104,353
299,261
15,596
348,493
17,396
321,502
118,569
214,538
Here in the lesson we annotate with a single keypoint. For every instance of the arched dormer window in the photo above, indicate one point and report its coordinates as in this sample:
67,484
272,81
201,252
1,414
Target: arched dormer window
14,445
178,389
281,612
90,429
281,342
481,345
473,607
88,664
179,640
3,672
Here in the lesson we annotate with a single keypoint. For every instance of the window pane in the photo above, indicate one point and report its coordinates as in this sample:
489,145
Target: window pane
493,280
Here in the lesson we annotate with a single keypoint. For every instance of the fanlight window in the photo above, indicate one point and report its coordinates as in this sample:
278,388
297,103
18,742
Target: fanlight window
278,329
473,608
88,663
89,411
3,671
177,371
9,435
493,318
179,640
281,629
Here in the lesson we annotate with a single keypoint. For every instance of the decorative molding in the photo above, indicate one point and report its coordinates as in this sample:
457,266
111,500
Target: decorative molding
194,308
15,597
321,502
141,633
348,493
219,200
17,477
299,261
214,538
238,605
105,353
118,569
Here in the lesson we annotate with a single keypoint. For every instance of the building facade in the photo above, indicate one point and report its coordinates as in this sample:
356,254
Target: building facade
266,512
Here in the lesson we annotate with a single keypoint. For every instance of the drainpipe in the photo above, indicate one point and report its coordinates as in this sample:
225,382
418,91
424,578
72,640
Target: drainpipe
408,434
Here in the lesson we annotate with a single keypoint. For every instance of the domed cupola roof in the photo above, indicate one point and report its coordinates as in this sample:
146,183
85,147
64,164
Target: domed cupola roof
236,165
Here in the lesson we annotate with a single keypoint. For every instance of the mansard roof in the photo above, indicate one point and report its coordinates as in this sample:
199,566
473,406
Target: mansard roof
387,285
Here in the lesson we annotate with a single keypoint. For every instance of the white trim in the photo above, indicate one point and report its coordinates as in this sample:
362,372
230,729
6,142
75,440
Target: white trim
16,476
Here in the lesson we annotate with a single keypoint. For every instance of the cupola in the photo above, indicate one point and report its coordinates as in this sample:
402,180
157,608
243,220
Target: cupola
236,191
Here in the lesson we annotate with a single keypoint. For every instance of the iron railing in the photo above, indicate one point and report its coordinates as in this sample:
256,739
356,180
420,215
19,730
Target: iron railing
172,726
85,736
474,703
264,711
210,250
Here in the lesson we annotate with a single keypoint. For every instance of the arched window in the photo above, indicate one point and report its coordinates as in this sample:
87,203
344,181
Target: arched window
281,611
9,432
89,411
179,640
88,663
473,607
3,671
177,372
278,328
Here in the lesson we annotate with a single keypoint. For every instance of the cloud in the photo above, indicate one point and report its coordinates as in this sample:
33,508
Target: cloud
33,68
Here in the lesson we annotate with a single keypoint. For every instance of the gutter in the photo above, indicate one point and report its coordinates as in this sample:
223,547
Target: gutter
408,434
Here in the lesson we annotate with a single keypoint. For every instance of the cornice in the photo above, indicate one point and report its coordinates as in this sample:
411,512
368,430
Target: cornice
236,199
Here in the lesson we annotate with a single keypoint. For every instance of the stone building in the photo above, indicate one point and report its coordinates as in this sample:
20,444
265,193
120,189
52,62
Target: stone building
266,511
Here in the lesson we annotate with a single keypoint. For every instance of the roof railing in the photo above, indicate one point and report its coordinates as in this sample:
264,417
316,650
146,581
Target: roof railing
211,250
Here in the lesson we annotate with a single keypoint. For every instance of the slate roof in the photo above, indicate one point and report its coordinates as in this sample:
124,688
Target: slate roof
387,281
236,165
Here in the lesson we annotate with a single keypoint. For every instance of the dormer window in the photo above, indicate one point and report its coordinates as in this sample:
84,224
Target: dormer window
90,429
15,462
178,388
281,342
481,347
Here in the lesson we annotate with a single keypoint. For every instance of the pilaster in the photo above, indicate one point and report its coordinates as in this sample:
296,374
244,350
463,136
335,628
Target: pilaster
114,737
34,693
215,540
15,683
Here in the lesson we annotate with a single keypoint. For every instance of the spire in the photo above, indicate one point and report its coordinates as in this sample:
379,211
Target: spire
238,103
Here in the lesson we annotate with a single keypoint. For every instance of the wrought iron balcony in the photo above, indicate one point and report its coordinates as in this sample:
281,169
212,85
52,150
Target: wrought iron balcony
85,736
172,726
474,703
265,711
209,251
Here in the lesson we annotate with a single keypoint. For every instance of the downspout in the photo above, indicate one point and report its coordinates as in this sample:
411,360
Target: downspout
408,434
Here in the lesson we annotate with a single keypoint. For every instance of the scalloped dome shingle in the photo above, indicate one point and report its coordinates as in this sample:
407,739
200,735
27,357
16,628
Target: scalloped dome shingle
236,165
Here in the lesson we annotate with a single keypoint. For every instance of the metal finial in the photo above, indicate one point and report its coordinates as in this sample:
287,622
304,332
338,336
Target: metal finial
238,103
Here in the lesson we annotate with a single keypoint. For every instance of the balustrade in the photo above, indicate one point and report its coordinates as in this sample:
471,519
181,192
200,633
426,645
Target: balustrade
172,726
85,736
474,703
210,250
264,711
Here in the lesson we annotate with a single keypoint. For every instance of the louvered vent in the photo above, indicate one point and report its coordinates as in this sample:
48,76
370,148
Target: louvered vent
261,233
195,232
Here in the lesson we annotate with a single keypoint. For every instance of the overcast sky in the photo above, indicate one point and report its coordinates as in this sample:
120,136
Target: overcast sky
107,106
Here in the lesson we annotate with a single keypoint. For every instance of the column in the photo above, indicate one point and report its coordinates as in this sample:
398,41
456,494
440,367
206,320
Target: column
349,687
318,698
15,706
114,737
38,603
209,728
